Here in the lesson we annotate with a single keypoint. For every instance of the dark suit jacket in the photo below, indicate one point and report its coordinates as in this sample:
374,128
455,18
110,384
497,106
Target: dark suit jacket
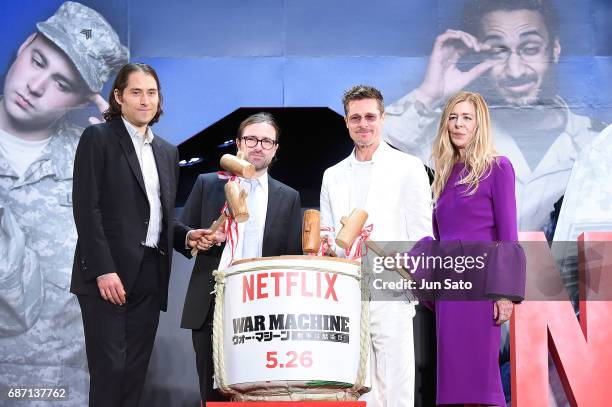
111,209
282,235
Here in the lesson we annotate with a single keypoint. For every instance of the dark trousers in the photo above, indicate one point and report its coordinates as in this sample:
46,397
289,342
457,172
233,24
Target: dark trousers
119,339
202,345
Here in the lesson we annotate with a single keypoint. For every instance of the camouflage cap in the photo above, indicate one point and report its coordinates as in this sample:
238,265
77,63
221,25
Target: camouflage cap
88,40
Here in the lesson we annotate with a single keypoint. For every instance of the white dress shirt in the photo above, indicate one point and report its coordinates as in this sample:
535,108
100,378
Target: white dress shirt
146,159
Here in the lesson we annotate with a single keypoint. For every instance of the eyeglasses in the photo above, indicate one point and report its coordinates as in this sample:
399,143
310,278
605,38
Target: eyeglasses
356,119
251,141
529,52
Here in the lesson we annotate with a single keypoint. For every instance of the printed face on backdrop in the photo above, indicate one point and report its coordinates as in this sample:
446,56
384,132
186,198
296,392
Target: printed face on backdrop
258,144
139,99
520,41
41,85
462,124
364,122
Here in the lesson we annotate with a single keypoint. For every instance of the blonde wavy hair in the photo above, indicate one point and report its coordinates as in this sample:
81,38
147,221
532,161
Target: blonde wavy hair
479,152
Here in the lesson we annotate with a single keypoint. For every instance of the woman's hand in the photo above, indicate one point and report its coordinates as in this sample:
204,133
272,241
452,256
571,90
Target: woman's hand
502,310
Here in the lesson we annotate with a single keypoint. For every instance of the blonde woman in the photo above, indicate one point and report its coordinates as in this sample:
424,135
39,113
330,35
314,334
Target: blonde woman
474,201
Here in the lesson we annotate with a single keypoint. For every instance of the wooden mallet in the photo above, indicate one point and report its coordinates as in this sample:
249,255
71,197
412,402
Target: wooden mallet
236,208
237,165
311,231
351,229
235,198
352,226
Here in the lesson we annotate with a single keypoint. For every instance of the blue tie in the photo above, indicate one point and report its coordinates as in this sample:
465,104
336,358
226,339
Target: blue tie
252,227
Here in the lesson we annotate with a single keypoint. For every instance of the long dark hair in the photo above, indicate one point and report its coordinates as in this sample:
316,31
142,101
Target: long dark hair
121,82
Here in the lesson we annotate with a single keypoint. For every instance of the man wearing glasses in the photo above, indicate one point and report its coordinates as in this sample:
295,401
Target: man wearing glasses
507,52
273,229
394,189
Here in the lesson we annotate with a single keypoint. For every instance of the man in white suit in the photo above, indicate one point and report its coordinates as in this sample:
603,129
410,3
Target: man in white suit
393,188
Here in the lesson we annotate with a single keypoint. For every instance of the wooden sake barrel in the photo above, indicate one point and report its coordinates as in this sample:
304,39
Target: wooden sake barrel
291,328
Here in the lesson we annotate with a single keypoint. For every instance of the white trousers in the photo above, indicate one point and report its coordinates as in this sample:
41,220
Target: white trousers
391,355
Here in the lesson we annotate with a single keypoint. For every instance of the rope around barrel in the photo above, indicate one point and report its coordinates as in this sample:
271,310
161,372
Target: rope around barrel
218,358
287,393
364,340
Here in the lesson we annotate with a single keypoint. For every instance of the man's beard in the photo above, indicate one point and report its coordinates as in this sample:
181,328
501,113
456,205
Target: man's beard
259,166
262,166
363,145
518,99
496,95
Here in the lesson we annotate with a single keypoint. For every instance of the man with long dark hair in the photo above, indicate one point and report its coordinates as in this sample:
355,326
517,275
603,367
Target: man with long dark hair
125,180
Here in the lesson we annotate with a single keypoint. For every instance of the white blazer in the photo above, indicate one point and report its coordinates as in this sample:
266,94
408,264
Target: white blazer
398,200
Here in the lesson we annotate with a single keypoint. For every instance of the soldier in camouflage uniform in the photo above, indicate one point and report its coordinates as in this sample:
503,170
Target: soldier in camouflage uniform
62,66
